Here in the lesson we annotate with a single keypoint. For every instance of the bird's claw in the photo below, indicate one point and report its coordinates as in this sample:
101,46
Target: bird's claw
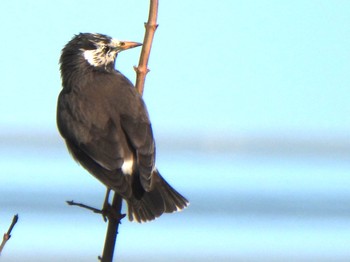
109,213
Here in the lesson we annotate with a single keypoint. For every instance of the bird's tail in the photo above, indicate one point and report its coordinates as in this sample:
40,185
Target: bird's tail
146,206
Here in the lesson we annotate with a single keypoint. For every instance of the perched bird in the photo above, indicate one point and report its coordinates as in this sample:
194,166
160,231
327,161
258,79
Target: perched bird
106,126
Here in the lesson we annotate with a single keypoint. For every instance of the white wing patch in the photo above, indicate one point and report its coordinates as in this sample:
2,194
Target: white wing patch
127,166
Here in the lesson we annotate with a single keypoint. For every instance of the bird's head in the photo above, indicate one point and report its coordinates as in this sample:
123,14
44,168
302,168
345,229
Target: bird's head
98,50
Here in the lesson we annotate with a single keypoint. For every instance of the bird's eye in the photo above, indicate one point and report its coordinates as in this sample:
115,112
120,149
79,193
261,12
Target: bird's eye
122,43
106,48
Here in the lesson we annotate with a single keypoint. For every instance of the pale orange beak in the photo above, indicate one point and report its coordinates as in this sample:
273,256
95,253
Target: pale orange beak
124,45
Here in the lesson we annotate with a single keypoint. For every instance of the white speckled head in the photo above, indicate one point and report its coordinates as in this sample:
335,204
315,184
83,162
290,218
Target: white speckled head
102,50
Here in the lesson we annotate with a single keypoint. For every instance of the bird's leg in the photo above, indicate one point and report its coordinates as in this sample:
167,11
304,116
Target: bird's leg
106,206
108,211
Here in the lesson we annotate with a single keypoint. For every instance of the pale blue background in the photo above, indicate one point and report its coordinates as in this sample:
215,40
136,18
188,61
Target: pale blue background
250,108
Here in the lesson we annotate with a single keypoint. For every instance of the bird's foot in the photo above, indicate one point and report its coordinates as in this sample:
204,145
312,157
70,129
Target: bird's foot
110,213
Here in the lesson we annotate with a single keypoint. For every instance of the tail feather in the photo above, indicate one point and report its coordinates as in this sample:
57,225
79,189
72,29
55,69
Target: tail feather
142,205
173,201
161,199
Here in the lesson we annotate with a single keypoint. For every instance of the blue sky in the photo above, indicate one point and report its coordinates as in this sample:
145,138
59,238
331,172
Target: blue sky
233,66
236,69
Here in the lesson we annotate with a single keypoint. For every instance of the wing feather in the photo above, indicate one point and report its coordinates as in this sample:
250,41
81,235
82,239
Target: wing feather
108,120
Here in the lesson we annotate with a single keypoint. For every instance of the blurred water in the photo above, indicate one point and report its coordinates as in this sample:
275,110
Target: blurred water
244,207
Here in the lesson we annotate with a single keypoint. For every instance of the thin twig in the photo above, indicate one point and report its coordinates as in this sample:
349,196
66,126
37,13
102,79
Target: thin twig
7,235
151,27
93,209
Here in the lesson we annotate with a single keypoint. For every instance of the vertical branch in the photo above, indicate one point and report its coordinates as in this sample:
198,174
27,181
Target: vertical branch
150,26
112,229
141,71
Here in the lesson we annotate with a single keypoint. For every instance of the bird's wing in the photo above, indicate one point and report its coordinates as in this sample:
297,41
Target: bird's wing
140,136
90,128
135,123
109,125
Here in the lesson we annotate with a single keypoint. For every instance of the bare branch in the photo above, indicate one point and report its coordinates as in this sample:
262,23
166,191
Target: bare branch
141,72
150,26
112,230
95,210
7,235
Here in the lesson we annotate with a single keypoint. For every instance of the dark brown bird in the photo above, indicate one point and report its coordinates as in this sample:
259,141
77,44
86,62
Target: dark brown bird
106,126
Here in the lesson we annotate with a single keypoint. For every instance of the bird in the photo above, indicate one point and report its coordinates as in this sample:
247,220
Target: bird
106,126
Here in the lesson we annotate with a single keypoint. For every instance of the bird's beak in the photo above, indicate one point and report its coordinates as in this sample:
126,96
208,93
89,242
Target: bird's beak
124,45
